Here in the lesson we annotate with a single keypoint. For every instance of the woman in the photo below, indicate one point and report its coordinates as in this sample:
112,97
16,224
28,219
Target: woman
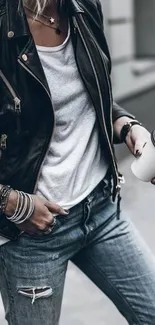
57,125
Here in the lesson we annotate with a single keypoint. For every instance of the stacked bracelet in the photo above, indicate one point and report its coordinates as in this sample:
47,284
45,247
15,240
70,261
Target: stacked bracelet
27,210
24,208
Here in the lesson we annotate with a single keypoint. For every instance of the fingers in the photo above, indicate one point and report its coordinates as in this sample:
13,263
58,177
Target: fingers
46,227
130,144
40,226
28,228
44,221
138,149
153,181
56,209
43,216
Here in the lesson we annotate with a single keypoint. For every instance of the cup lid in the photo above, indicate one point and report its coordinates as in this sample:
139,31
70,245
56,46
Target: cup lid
153,137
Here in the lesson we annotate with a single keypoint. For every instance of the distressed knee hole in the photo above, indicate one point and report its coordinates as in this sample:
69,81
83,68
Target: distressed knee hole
36,293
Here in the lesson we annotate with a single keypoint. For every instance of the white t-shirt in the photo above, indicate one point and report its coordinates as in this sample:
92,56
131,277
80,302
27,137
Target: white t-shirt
74,165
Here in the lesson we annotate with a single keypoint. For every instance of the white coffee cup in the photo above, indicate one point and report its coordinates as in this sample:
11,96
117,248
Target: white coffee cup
143,167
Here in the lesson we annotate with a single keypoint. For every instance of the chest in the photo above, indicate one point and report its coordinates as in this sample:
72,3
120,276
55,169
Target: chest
69,96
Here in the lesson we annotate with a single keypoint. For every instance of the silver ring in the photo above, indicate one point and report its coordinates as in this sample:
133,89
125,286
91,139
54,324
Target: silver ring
51,227
48,231
53,222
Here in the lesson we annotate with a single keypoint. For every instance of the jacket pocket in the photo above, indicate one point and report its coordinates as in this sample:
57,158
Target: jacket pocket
12,147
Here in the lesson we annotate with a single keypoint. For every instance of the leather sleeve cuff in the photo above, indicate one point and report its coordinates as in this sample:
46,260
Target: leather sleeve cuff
116,114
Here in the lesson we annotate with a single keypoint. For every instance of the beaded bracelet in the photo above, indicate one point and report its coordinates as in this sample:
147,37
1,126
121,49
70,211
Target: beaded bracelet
4,196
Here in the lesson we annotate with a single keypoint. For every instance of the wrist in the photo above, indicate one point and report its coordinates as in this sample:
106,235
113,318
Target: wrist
119,123
20,207
126,128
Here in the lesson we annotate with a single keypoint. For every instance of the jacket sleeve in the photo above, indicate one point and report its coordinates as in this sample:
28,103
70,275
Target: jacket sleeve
117,110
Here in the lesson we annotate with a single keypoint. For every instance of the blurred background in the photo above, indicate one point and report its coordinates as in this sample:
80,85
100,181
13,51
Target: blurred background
130,30
129,26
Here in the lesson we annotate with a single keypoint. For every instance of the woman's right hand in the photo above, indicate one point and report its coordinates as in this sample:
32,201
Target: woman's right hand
42,217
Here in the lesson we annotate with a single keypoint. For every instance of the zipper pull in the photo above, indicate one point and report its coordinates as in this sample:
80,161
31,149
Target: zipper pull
121,179
18,112
17,105
118,205
3,141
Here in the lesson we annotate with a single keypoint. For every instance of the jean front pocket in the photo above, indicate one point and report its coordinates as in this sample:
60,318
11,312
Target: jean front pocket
49,233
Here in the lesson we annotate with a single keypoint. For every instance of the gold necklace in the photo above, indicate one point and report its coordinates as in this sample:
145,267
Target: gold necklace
50,20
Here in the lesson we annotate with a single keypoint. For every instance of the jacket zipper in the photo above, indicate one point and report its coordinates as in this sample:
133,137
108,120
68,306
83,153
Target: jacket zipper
110,94
120,178
99,91
3,141
106,70
17,101
40,167
3,144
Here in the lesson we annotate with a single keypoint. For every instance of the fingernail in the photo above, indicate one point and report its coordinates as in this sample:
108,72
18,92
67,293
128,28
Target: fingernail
66,211
138,153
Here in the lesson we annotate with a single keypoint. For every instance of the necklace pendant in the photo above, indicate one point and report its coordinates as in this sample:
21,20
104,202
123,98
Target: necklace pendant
58,31
52,20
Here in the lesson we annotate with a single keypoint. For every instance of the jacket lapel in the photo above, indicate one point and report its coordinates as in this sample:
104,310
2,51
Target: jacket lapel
16,19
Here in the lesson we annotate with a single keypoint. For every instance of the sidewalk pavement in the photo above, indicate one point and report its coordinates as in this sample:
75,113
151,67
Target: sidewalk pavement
83,303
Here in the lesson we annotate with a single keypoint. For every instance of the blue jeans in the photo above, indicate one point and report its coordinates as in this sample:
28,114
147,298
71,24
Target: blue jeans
109,251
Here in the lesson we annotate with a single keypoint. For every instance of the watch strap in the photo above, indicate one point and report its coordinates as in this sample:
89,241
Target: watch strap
126,129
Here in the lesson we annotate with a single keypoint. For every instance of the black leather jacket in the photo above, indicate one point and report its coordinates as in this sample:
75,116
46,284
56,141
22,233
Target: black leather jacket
26,112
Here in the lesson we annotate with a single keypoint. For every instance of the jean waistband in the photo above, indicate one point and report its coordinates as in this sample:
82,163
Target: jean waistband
105,187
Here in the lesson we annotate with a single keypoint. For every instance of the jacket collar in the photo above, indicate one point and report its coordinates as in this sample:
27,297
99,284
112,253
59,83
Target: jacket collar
16,19
75,7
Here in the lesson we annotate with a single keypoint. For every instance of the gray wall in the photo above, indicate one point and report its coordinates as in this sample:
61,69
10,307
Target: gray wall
145,27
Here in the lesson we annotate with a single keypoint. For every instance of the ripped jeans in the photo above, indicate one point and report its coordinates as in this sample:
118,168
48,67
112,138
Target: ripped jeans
109,251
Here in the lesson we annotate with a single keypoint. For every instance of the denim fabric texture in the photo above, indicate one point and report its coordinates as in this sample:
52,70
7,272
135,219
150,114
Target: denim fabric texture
108,250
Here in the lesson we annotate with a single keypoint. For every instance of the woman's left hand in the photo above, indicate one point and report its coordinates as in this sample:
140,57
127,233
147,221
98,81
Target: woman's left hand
136,139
